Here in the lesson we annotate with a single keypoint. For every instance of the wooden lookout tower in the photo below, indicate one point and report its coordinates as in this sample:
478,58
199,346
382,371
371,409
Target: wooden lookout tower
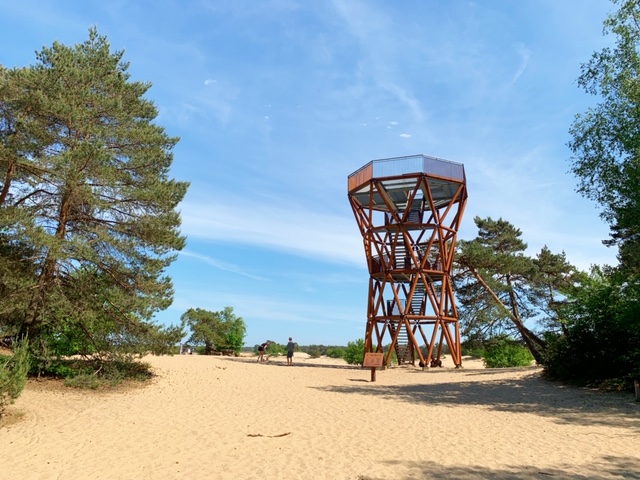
409,210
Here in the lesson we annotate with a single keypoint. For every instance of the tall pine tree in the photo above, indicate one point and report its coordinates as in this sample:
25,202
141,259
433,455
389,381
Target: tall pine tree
87,203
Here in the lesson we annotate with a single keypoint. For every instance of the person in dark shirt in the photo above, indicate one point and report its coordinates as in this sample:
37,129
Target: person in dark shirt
290,348
261,349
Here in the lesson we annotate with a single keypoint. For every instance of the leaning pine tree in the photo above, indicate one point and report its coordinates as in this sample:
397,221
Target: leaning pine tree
495,283
87,207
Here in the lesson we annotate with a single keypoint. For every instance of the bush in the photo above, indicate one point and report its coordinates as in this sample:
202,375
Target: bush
13,374
354,353
95,373
314,351
601,344
505,353
64,368
335,352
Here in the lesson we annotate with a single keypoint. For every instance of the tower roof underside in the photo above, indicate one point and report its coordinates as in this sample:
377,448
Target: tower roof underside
397,177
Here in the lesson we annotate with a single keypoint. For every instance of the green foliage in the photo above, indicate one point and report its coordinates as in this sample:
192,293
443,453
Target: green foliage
88,212
335,352
602,340
13,374
97,373
274,349
444,350
354,353
64,369
505,352
314,351
317,351
473,346
500,289
17,278
393,360
606,158
215,331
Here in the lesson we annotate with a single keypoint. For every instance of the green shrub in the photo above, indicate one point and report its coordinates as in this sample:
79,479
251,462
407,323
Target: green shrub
63,368
115,371
335,352
600,344
13,374
505,353
354,353
94,373
273,349
314,351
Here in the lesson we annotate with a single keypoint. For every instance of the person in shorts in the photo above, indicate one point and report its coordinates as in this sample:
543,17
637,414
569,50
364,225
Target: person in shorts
290,348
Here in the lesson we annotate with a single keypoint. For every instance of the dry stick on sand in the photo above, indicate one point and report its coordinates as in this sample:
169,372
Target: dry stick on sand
270,436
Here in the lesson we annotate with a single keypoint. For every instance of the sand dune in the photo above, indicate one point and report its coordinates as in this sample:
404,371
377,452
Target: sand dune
232,418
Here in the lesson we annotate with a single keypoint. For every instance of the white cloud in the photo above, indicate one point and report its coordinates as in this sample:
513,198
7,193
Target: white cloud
286,228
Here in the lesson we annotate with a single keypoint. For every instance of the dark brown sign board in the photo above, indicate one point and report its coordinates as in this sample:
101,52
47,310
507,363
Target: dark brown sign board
373,359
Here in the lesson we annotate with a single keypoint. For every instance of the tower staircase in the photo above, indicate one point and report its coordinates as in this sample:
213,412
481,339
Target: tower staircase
403,348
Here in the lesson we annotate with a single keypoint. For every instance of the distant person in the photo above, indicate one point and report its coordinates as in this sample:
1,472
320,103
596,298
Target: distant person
290,348
261,349
435,362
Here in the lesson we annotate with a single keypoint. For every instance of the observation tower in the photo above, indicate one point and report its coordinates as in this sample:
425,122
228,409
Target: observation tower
408,211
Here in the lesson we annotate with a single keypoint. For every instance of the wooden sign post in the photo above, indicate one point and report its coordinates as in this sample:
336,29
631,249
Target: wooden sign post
373,360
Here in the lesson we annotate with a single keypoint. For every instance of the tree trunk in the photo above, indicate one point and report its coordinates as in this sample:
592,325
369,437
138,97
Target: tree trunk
534,343
7,182
32,323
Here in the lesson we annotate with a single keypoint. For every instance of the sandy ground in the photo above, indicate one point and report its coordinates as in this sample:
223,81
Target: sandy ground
232,418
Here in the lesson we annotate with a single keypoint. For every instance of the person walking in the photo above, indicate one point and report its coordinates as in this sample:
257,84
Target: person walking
290,348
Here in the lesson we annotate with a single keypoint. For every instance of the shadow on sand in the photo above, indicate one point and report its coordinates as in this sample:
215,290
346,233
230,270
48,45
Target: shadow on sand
527,394
608,467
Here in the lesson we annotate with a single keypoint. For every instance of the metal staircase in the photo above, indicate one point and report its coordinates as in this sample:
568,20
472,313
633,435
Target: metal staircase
403,348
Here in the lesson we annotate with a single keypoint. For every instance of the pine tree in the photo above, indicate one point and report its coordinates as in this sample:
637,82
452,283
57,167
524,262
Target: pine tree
494,282
87,195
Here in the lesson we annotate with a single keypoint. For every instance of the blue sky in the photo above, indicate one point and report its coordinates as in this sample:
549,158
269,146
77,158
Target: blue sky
278,101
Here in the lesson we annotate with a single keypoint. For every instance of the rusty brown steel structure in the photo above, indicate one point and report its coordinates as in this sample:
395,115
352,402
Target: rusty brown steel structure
409,211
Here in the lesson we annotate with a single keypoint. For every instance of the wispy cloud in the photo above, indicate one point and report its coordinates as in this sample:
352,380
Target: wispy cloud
221,265
287,228
524,54
380,44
